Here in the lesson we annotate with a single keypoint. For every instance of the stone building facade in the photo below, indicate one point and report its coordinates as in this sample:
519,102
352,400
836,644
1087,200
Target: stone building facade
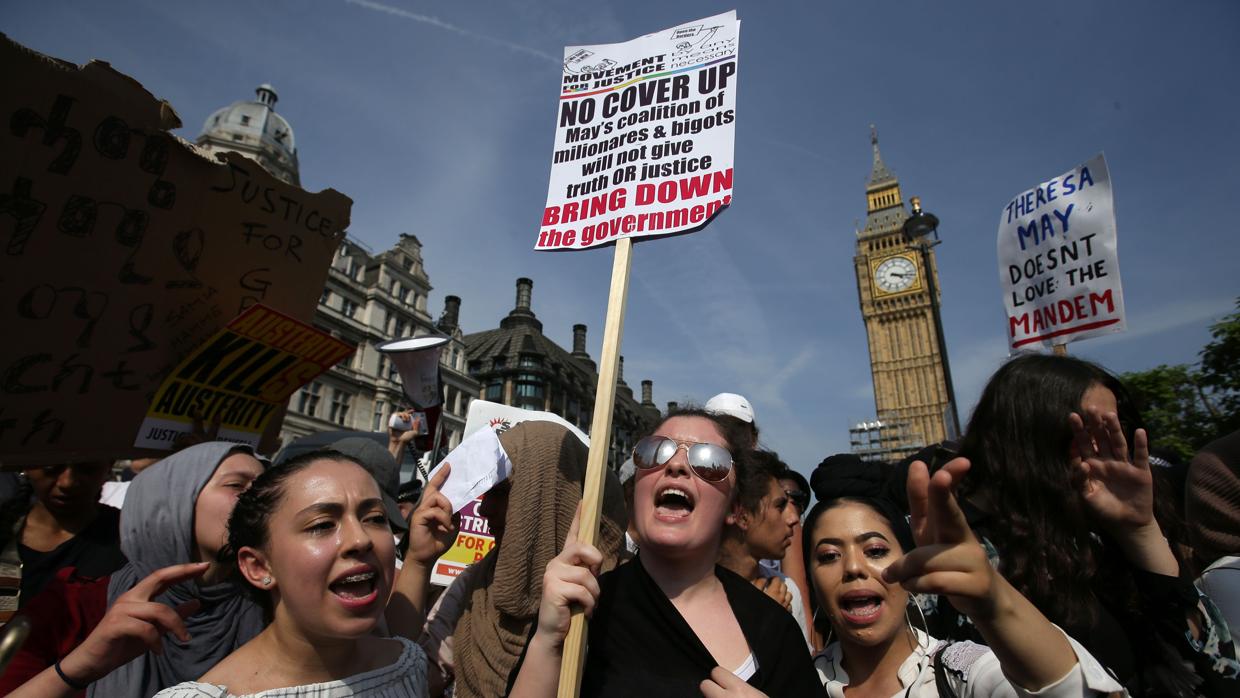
516,364
368,299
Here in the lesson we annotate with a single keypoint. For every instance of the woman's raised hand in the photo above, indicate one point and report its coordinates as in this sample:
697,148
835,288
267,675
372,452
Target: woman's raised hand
569,581
134,625
948,559
1118,491
432,527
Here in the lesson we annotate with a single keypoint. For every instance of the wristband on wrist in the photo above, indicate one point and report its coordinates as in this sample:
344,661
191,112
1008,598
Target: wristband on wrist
75,685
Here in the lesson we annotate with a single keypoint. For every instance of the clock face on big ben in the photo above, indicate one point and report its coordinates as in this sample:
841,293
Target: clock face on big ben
895,274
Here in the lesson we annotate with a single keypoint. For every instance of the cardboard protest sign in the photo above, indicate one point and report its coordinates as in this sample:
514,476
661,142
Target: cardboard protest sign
240,377
473,542
1058,260
644,136
123,250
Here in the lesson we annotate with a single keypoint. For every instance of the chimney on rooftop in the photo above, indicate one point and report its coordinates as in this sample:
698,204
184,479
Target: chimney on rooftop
450,319
647,393
579,341
579,346
620,384
522,315
672,406
525,289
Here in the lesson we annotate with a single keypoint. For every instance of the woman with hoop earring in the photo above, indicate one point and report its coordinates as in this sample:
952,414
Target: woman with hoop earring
855,556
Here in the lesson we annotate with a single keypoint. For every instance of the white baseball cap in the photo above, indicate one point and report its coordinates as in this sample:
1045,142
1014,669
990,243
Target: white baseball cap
732,405
627,470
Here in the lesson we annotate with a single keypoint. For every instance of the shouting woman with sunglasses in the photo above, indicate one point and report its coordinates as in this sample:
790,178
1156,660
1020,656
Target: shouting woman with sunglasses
671,622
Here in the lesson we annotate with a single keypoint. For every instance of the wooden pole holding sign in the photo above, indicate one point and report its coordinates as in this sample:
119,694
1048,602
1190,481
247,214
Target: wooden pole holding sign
1060,349
574,652
601,193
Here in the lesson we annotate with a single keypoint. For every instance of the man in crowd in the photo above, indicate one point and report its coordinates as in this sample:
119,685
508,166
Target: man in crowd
760,528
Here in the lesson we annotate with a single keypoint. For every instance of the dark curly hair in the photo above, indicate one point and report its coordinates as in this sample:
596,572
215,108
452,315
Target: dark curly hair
250,522
1018,443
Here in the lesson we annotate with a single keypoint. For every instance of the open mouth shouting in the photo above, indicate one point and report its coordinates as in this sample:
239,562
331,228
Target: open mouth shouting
357,587
672,503
861,607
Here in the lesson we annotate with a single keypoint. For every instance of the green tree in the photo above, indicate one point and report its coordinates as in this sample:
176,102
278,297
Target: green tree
1220,369
1186,406
1179,416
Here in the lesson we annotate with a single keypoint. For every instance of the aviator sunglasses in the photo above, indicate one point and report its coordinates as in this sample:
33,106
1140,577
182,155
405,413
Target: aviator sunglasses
710,462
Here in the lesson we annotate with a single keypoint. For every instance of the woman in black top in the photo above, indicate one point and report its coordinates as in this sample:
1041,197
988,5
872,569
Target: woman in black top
671,622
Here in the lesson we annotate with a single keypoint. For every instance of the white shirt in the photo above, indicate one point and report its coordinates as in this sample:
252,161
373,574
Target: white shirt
406,678
973,672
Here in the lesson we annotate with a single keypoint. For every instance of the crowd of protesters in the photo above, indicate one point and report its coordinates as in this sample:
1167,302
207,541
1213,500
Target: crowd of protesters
1045,553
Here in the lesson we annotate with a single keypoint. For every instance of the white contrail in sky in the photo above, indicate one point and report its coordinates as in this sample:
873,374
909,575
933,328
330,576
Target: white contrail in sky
435,22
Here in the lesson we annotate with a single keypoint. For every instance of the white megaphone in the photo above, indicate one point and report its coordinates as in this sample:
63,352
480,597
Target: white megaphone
417,360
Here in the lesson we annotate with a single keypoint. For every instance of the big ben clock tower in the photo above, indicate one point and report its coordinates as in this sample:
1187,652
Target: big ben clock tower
896,277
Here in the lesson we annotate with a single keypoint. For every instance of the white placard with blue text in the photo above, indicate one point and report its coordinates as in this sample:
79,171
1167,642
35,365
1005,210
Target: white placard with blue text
1059,260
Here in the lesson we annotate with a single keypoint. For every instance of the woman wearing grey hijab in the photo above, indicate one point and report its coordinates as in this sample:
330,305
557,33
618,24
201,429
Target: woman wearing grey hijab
176,512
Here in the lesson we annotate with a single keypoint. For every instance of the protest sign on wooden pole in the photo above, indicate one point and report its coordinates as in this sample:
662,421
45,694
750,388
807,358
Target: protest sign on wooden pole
574,652
643,148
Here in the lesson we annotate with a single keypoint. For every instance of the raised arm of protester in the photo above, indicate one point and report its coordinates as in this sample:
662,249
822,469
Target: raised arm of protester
432,528
948,560
570,581
1119,491
132,626
398,438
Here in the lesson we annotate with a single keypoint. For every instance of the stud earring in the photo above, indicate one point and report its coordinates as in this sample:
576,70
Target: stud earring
266,581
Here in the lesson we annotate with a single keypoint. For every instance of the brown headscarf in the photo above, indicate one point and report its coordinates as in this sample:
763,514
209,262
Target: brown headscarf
548,473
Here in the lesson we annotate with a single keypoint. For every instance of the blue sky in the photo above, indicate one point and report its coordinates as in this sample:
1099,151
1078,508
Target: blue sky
437,119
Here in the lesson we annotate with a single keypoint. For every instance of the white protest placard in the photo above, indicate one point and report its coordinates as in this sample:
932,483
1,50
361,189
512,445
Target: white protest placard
1059,262
644,136
500,418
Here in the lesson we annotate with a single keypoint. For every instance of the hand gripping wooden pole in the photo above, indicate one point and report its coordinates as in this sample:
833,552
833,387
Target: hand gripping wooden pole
574,651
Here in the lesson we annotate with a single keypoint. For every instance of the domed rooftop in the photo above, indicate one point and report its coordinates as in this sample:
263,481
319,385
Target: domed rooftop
253,128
